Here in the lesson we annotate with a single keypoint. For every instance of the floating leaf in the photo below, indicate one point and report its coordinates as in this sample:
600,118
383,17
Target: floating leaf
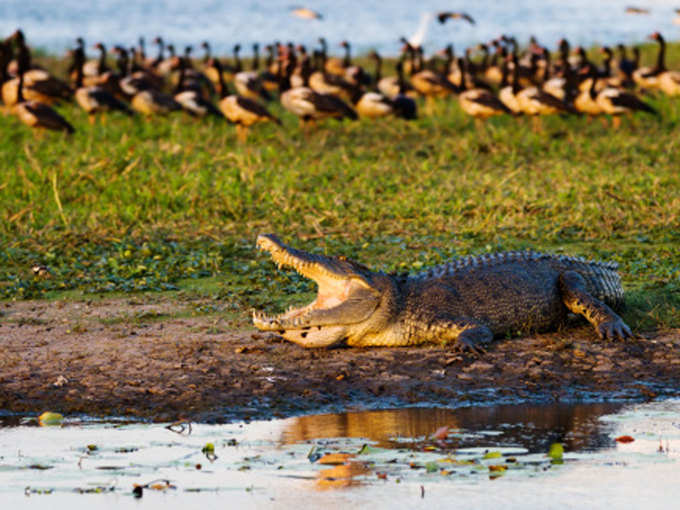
492,455
431,467
625,439
335,458
556,451
48,419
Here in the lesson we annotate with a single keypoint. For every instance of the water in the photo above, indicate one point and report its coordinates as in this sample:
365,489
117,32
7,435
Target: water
490,457
55,24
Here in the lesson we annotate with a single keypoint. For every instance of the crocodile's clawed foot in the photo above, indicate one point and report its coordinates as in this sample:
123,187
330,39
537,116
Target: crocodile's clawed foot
614,329
469,346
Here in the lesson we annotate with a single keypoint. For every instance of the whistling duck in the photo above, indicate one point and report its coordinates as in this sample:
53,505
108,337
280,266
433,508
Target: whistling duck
209,69
302,68
94,99
536,102
36,114
353,74
492,70
98,66
332,65
165,66
189,95
626,66
392,86
309,105
668,81
161,52
268,77
508,93
427,82
153,102
38,84
615,101
249,84
647,77
132,84
479,103
23,59
244,112
608,78
586,101
560,87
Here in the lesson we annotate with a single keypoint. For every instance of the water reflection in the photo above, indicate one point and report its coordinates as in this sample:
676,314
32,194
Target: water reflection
533,427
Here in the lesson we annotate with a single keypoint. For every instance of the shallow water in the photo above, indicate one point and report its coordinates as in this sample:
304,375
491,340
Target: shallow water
54,25
488,457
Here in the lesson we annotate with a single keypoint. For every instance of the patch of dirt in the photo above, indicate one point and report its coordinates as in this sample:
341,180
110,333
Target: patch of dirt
151,358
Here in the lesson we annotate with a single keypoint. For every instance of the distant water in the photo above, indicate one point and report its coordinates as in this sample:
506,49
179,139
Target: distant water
54,24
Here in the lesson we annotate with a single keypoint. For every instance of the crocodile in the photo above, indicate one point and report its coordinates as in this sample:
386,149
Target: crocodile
466,302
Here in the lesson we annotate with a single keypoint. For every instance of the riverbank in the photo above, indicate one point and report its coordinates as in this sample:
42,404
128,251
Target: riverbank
151,357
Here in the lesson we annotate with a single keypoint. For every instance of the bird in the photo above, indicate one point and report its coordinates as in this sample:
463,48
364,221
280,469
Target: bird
477,102
190,97
667,81
616,102
443,16
37,114
305,13
94,99
245,112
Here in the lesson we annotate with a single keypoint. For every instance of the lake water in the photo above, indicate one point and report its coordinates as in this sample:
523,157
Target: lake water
55,24
487,457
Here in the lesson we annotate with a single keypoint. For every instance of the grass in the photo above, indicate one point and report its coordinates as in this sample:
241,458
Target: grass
134,206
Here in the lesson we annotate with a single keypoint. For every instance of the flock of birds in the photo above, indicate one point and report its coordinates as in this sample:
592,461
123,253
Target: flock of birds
490,79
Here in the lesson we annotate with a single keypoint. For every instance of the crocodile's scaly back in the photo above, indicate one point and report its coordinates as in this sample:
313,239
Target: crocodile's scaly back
602,278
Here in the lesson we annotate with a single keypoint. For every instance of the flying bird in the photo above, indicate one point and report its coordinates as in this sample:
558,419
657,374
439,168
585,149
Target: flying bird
636,10
443,16
305,13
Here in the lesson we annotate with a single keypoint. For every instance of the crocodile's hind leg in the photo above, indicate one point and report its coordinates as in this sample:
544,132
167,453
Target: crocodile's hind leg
465,334
576,298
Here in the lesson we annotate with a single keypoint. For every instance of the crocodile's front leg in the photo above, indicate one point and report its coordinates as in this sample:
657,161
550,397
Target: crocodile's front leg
466,334
576,298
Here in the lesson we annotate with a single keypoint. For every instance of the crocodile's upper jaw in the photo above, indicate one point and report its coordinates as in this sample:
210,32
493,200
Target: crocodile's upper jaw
345,295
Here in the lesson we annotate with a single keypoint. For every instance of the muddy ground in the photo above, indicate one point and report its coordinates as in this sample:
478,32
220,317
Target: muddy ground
155,358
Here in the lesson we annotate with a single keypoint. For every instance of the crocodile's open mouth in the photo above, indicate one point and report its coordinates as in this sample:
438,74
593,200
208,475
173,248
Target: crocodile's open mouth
342,295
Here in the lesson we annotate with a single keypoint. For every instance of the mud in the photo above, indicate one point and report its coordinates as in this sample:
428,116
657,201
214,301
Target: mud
153,358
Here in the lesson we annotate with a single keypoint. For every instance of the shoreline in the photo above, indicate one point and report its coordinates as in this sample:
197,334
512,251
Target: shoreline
96,359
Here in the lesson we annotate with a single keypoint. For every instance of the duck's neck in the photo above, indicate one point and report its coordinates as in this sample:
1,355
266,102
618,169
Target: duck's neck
607,63
101,65
347,61
256,57
20,89
79,63
238,67
515,73
378,68
661,57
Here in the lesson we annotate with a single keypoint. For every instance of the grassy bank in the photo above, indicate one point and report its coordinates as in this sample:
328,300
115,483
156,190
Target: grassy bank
130,205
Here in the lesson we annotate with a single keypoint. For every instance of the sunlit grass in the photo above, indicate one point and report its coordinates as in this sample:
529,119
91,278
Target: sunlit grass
131,204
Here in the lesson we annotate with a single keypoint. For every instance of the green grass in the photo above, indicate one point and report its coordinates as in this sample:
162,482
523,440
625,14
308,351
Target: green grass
176,203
